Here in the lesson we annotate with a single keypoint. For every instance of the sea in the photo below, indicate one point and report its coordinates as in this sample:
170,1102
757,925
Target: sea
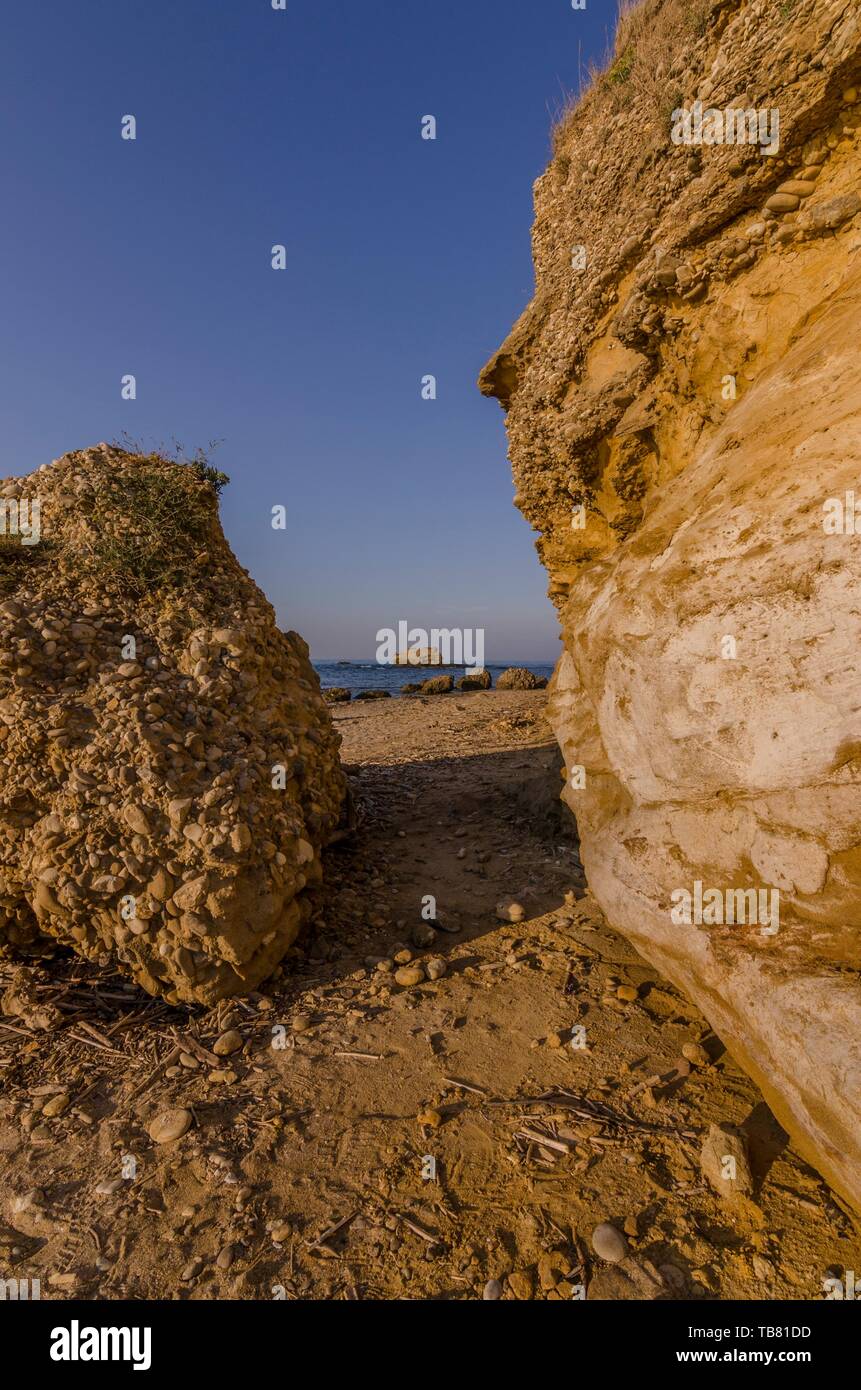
357,676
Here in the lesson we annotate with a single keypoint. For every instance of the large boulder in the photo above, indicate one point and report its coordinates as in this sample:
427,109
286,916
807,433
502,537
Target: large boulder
476,680
438,685
684,408
518,678
170,770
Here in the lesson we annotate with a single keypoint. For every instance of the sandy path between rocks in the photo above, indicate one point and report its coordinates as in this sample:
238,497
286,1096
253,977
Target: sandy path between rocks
306,1169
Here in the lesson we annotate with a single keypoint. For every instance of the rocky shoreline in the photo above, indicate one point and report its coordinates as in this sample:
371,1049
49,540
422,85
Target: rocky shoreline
514,678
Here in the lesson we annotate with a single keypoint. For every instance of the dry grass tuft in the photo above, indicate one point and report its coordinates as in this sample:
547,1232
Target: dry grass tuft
635,69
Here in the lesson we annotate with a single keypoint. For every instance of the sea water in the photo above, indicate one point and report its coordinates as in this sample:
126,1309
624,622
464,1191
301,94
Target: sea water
356,676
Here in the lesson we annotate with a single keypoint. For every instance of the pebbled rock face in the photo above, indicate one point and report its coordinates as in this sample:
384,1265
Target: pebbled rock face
684,418
170,772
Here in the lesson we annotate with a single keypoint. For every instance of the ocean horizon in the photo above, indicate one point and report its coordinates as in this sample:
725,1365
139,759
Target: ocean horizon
357,676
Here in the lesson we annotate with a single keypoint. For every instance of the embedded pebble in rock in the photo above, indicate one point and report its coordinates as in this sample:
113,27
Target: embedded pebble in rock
300,1023
435,968
492,1291
782,202
423,936
432,1119
169,1125
228,1043
409,976
830,215
178,761
609,1243
627,993
801,188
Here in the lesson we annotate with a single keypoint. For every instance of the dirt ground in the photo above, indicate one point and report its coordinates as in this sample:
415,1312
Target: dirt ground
369,1140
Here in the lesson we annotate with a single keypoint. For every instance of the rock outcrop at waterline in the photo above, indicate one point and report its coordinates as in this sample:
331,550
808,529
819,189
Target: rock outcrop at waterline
170,771
684,418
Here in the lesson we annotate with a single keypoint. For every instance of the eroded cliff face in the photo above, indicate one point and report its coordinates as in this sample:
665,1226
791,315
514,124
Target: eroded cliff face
685,424
170,771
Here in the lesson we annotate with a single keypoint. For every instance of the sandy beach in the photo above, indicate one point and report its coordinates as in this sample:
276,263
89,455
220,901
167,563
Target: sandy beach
369,1139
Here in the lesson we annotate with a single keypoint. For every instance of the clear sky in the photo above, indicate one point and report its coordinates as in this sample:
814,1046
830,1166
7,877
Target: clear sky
405,257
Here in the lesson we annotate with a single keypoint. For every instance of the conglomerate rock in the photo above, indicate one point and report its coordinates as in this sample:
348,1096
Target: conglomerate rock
170,772
683,401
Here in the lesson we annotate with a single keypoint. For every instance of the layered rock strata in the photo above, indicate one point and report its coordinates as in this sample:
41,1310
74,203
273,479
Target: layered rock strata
683,398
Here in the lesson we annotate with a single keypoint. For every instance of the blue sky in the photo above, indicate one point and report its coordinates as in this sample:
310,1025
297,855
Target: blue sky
405,257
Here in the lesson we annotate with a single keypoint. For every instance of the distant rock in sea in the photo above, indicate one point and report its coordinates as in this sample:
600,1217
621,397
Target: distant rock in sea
419,656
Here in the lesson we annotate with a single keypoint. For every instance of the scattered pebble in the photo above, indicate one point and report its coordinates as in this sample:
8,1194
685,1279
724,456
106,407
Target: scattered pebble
108,1187
696,1054
409,976
609,1243
724,1161
227,1044
510,911
56,1105
522,1284
169,1126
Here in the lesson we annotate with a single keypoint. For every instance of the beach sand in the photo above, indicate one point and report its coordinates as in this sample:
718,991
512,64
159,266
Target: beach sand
306,1172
